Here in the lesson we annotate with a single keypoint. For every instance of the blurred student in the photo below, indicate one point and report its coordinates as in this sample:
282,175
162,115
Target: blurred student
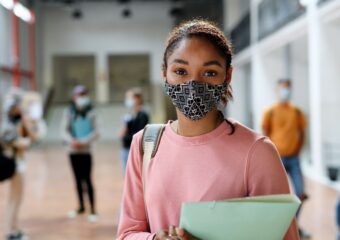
79,129
134,121
20,127
285,124
338,217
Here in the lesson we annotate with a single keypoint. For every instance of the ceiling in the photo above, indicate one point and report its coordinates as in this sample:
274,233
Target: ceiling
181,9
120,1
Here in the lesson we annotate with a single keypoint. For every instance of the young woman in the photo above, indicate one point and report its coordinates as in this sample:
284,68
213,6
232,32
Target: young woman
18,131
79,129
201,156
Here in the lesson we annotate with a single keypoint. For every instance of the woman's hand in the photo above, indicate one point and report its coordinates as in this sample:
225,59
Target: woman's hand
174,233
76,144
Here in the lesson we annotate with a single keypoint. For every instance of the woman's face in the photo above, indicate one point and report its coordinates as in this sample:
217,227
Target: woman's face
196,59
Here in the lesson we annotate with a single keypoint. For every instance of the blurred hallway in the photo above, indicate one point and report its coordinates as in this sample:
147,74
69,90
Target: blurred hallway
50,195
111,46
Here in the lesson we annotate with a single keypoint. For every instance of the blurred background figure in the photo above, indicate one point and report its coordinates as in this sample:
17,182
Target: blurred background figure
284,123
79,129
338,218
21,126
134,120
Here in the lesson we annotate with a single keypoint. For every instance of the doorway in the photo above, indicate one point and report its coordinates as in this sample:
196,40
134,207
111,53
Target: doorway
129,71
70,71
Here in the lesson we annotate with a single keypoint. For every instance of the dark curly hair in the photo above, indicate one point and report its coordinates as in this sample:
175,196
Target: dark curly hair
207,30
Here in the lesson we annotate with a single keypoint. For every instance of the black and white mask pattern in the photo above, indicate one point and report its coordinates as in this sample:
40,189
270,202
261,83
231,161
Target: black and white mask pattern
194,98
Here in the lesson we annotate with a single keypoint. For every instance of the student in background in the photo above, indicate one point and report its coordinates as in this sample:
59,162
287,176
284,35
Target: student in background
21,125
285,124
79,129
134,121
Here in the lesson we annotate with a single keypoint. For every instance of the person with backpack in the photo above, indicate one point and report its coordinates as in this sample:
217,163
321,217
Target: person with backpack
285,124
201,156
18,131
79,128
134,121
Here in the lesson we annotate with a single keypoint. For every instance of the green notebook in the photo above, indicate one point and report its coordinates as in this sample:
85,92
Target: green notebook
252,218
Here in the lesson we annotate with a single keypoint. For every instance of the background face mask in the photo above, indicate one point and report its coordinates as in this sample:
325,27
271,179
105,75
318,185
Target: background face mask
129,103
82,102
285,94
194,98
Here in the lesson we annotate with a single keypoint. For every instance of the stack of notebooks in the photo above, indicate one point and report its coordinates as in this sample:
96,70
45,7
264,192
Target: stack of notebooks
260,218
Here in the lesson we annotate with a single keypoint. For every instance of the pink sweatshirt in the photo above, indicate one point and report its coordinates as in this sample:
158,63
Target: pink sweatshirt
210,167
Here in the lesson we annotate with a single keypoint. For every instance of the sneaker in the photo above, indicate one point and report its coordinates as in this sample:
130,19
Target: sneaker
17,236
303,197
92,218
303,234
75,213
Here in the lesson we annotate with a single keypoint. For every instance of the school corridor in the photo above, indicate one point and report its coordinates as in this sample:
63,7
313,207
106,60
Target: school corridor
49,195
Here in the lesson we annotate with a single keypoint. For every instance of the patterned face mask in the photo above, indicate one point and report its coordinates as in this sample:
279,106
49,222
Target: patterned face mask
194,98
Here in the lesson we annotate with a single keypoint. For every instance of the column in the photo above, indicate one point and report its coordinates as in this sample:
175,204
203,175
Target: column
315,86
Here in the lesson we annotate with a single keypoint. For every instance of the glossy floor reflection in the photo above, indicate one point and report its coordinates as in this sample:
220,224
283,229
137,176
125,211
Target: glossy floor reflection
49,195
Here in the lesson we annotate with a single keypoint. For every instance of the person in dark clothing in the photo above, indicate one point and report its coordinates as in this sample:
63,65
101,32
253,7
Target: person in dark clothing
79,129
134,121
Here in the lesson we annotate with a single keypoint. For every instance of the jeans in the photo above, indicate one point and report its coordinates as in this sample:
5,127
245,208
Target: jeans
292,166
338,216
124,157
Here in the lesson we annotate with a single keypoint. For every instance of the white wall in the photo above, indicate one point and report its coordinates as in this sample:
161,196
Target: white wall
240,108
5,48
102,32
330,85
267,69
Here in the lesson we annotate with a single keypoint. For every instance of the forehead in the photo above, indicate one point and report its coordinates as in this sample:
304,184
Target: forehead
81,94
284,84
196,47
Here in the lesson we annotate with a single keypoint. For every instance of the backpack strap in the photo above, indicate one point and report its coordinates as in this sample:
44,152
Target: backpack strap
151,138
150,141
270,114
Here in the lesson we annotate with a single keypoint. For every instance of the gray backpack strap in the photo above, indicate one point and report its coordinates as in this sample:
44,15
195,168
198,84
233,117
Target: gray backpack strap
151,138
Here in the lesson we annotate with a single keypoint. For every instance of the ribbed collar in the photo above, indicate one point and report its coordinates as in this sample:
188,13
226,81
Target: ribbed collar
223,128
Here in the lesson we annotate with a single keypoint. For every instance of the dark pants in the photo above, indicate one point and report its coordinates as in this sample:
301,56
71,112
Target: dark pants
81,165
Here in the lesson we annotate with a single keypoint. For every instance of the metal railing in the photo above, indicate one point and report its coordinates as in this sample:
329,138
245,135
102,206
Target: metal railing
240,34
274,14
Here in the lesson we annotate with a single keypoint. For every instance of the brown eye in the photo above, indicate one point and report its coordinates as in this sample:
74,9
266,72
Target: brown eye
180,72
210,74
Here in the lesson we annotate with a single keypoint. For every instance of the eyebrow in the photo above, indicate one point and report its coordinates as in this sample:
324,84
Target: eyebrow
213,62
209,63
180,61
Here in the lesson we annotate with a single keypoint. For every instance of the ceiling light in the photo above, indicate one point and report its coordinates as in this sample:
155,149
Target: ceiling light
22,12
304,3
9,4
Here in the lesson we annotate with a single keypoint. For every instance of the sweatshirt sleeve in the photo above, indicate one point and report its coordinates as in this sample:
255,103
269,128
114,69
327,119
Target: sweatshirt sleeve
266,175
133,221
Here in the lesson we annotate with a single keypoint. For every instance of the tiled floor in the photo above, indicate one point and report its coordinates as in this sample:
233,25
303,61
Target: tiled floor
49,195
